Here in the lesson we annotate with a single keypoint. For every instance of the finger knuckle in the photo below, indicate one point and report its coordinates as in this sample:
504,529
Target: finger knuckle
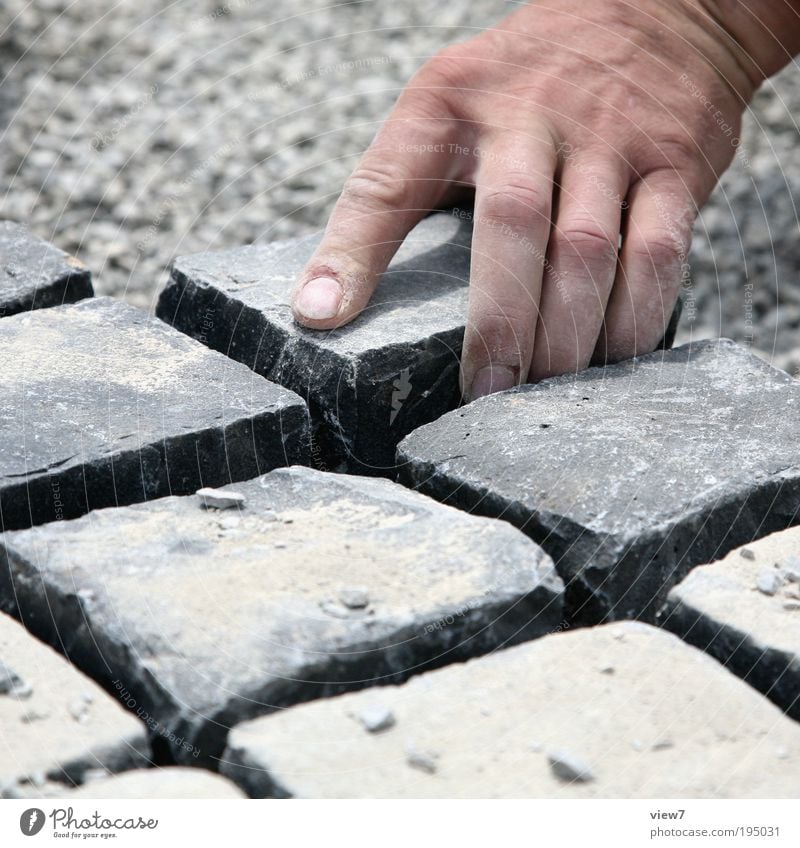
516,203
588,241
450,67
662,248
502,334
379,185
677,150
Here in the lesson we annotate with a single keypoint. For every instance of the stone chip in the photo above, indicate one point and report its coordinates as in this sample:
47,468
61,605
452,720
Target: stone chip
219,499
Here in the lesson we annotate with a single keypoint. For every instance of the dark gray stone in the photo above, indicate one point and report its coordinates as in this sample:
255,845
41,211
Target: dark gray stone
367,384
200,618
105,405
745,611
35,274
628,476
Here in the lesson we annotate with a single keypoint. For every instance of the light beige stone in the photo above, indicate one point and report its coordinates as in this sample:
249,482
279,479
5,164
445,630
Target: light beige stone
172,782
745,610
55,723
644,714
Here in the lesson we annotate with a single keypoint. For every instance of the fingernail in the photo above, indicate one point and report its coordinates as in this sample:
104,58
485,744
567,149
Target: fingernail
319,299
492,378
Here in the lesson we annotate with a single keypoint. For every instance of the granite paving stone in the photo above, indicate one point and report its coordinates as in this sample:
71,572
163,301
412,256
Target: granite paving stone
35,274
170,782
745,611
105,405
622,710
199,618
55,723
629,475
367,384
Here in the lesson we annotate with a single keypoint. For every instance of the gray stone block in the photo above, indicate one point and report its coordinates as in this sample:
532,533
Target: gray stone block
56,724
750,623
619,711
368,384
627,476
172,782
104,405
34,274
201,618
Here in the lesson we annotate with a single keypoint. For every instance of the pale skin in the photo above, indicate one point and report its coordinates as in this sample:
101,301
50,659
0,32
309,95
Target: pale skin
576,126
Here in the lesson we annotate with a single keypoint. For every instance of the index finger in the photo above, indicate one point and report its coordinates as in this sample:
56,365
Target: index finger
404,174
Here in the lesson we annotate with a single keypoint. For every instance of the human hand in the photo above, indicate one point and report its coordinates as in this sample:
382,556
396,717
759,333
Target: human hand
575,123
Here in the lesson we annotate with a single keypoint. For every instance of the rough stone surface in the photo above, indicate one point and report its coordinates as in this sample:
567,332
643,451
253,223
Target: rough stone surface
104,405
200,622
723,609
41,738
628,476
669,722
173,782
368,384
35,274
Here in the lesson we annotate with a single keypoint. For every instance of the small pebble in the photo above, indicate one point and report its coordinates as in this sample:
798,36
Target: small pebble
354,597
12,684
791,605
333,609
791,569
33,715
769,582
746,553
421,760
219,498
376,718
569,768
607,669
79,708
663,745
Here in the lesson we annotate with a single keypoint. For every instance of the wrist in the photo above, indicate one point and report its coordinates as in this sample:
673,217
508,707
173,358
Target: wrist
764,35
